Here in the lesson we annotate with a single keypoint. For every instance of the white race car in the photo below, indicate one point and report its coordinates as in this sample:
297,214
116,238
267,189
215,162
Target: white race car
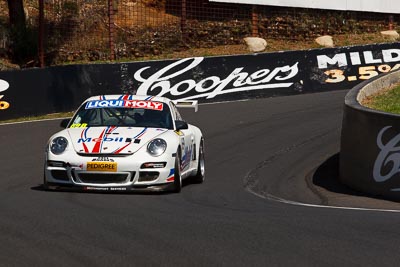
125,142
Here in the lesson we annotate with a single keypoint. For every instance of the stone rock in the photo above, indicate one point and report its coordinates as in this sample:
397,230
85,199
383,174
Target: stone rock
325,41
392,35
255,44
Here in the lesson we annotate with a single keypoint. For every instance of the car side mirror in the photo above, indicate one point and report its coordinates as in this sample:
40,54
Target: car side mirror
64,123
181,125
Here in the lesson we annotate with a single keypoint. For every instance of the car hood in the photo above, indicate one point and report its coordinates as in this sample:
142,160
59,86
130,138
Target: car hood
111,140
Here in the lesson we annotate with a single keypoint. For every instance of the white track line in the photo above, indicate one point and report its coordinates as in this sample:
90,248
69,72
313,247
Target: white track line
21,122
295,203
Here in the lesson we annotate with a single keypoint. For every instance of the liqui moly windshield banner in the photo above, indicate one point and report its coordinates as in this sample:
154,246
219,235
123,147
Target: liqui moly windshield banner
206,79
142,104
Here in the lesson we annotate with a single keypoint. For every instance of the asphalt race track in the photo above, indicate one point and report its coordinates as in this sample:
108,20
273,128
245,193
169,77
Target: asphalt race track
256,152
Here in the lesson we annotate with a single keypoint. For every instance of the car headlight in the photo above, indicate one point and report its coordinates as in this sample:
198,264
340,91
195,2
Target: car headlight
58,145
157,147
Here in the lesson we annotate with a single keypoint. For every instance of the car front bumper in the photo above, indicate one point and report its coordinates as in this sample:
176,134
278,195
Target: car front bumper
122,173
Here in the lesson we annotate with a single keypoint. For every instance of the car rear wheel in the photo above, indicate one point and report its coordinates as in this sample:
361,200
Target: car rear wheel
201,170
177,174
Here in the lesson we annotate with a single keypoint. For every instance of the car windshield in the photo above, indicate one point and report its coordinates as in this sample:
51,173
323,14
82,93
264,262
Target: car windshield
122,116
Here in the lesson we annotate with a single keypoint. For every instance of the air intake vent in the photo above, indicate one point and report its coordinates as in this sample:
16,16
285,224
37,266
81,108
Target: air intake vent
103,178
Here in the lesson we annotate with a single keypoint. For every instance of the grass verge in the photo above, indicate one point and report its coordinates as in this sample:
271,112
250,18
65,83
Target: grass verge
388,100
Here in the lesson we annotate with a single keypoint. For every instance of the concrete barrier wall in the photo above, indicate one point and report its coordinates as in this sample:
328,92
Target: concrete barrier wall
207,79
370,143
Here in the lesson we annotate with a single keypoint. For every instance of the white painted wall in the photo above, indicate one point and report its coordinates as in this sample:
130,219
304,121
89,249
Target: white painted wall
381,6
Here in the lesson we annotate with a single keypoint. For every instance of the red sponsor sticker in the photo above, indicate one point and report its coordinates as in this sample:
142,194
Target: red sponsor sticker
144,104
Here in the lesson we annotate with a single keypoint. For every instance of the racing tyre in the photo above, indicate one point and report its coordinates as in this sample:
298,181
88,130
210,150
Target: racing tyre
177,187
200,175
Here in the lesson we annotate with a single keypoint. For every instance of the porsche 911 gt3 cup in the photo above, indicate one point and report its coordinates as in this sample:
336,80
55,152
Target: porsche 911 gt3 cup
125,142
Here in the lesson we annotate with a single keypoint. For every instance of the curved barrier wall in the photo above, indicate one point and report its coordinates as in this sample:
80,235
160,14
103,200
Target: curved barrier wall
207,79
370,144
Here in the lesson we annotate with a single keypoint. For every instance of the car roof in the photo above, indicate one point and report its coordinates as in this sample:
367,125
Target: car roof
129,97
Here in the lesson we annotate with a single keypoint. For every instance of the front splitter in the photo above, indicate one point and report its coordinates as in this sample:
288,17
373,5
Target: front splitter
115,189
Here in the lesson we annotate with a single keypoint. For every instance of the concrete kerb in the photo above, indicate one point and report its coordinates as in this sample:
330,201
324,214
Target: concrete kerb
368,156
373,87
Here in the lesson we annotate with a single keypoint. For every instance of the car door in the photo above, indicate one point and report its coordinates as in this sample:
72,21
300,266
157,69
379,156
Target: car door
187,143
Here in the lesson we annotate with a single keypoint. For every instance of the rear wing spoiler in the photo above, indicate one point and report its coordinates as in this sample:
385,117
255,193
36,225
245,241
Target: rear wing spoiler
187,104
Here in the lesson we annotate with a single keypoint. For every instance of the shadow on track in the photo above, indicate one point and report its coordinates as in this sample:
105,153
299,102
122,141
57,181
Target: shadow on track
327,177
327,184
